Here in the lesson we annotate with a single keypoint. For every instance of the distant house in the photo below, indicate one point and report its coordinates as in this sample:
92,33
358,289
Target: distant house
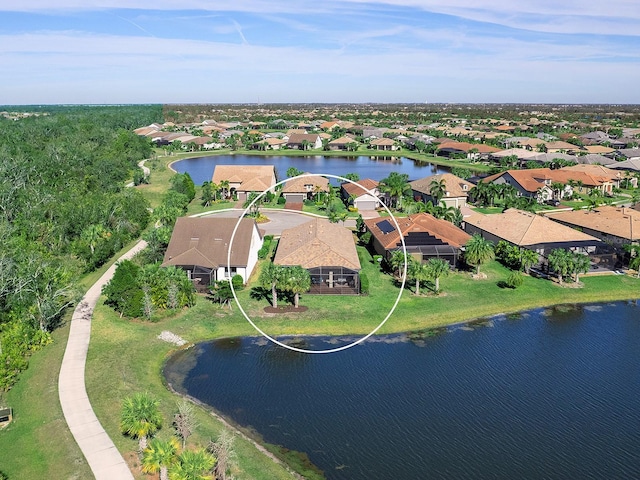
361,198
469,150
342,143
425,237
616,226
537,233
457,189
200,246
384,144
244,179
304,141
327,250
270,143
297,190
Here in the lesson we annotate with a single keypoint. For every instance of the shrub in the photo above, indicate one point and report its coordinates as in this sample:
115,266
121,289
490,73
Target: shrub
364,284
514,280
365,238
266,246
282,200
237,281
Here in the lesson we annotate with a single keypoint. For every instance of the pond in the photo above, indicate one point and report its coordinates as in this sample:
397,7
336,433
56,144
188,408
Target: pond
550,393
377,168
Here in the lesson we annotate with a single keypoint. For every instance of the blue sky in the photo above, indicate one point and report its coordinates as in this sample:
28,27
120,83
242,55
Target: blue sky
165,51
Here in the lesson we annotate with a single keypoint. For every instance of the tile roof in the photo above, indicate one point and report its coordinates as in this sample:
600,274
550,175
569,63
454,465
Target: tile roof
466,147
455,185
619,221
525,228
317,243
419,222
252,178
299,185
205,242
359,187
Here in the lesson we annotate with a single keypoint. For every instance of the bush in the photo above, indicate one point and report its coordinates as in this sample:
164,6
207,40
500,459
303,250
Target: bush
282,200
237,281
266,246
364,284
365,238
514,280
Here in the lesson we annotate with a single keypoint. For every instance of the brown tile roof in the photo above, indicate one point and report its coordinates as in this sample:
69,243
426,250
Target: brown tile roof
205,242
317,243
532,179
383,142
299,185
455,185
252,178
524,228
601,149
596,171
419,222
298,138
466,147
619,221
353,189
342,140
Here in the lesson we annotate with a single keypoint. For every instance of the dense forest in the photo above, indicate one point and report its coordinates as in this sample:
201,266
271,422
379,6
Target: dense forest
64,210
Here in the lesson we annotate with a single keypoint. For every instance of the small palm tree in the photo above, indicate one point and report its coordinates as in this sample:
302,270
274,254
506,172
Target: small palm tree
634,257
437,190
477,251
297,280
140,417
419,272
436,268
397,262
560,261
528,258
159,456
193,465
580,264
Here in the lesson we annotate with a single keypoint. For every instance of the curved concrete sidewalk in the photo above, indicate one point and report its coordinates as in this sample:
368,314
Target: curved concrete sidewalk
102,455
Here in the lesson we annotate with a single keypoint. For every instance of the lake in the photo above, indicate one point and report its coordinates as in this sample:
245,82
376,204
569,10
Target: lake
377,168
550,393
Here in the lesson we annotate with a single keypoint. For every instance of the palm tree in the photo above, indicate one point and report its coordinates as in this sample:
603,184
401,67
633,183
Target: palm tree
477,251
634,257
437,190
224,187
140,417
419,272
397,261
528,258
159,456
580,264
560,261
193,465
297,280
270,276
436,268
397,186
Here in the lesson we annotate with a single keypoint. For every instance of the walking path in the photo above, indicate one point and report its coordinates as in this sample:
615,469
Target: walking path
102,455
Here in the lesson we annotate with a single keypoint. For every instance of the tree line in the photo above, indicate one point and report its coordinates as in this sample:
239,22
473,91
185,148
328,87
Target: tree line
64,210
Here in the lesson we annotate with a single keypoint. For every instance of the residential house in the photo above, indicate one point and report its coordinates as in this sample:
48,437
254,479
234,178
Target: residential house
384,144
631,165
595,159
270,143
304,141
425,237
359,194
457,189
297,190
244,179
537,233
343,143
200,246
327,250
616,226
472,151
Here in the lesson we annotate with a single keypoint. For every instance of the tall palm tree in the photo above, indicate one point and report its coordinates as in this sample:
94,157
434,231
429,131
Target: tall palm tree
397,186
436,268
397,262
297,280
560,261
437,190
477,251
224,187
419,272
581,264
193,465
270,277
140,417
159,456
528,258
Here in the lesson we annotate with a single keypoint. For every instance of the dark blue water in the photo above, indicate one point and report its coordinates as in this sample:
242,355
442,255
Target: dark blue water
377,168
549,394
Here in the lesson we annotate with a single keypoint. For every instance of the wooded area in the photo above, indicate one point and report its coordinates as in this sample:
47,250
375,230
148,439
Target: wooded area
64,210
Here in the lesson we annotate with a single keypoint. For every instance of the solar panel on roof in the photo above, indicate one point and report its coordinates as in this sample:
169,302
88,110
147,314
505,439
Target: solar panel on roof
386,227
